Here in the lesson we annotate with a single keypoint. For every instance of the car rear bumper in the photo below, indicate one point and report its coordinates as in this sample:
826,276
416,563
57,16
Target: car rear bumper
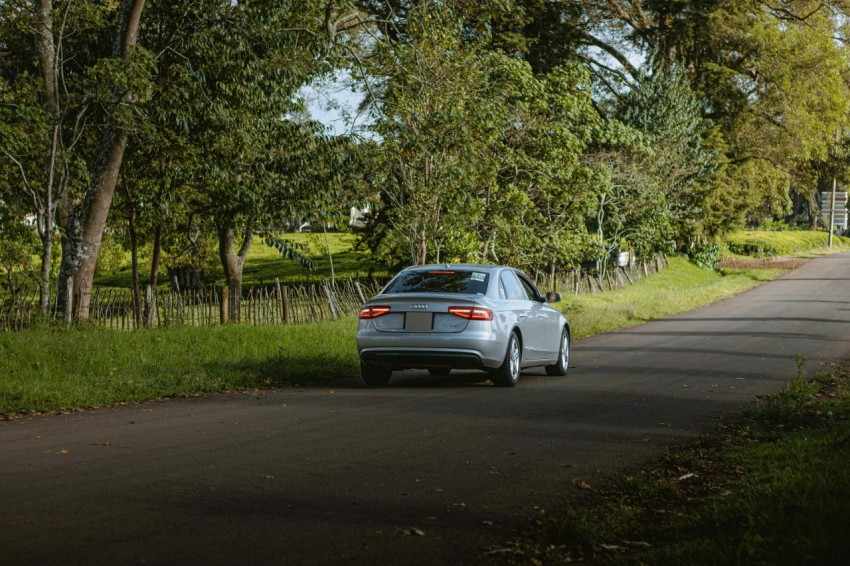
398,359
478,347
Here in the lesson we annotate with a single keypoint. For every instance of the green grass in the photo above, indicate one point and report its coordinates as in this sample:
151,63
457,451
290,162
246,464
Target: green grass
679,288
46,370
760,243
772,490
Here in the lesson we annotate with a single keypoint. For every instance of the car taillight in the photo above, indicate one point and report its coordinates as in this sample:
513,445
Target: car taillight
373,312
472,313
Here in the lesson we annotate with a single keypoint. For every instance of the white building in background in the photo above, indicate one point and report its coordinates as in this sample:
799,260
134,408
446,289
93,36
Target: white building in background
840,220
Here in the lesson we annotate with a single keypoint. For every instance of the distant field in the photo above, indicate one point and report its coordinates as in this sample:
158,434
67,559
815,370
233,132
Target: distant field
765,243
265,263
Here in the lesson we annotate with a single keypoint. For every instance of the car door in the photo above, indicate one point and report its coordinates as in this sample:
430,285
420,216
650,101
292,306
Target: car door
523,308
547,322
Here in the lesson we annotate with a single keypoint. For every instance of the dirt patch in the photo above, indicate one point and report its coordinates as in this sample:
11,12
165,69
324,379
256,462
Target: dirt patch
787,263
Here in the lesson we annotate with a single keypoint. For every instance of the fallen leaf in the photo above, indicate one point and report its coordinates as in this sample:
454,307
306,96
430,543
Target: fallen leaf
267,477
411,532
63,452
581,484
639,544
103,443
687,476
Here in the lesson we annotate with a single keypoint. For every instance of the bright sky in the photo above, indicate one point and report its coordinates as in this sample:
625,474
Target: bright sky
333,103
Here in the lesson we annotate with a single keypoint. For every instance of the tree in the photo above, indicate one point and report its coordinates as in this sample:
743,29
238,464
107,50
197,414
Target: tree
431,121
662,106
226,104
476,159
46,110
126,75
769,76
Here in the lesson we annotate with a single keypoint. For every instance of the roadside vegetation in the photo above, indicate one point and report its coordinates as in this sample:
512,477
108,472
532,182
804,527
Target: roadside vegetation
90,366
681,287
771,489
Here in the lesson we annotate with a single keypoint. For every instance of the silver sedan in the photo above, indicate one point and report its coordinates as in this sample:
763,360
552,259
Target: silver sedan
462,316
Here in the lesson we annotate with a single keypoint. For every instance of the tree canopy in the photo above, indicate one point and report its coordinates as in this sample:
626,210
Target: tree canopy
540,133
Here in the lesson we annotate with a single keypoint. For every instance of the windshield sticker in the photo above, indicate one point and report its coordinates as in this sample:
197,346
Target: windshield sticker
478,276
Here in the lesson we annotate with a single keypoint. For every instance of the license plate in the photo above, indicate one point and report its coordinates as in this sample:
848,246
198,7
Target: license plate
418,321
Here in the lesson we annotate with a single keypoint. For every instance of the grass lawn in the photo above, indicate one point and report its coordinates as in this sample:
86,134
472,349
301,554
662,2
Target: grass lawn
68,368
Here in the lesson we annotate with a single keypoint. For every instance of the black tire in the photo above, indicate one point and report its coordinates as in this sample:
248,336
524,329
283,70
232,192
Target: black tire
563,364
507,375
375,376
440,371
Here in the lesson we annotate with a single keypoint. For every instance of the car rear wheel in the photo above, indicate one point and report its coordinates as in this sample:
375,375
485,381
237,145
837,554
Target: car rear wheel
375,376
563,364
507,375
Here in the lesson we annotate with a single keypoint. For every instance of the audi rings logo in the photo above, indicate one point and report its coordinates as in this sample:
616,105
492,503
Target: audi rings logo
418,306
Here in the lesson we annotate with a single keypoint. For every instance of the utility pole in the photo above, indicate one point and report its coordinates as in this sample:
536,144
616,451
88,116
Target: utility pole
832,210
834,186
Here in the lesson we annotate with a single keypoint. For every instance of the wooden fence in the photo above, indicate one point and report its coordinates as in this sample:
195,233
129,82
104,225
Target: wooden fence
272,304
578,282
276,304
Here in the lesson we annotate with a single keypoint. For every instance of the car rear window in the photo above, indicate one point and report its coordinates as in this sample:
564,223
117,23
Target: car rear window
440,281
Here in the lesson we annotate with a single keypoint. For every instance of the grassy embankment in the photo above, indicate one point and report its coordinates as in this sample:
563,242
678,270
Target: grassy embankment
773,489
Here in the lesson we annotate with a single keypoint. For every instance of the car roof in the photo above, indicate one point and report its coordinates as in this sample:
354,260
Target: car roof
458,266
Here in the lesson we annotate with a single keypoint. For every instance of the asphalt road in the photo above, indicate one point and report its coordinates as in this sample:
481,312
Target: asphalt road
426,471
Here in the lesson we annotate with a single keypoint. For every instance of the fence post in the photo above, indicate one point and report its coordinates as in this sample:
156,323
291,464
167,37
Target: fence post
331,304
279,301
284,293
360,294
224,310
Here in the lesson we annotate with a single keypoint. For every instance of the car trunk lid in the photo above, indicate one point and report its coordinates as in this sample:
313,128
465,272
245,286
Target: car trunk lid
414,312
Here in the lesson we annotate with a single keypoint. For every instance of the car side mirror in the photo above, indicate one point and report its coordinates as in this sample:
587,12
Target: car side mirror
553,297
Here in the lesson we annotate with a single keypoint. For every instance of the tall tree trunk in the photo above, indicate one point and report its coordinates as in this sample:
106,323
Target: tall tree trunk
45,47
233,263
82,245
